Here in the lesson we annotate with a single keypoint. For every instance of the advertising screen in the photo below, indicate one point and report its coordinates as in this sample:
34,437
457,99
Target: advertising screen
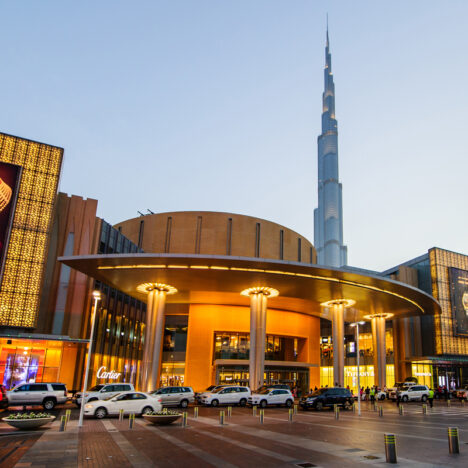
459,296
9,181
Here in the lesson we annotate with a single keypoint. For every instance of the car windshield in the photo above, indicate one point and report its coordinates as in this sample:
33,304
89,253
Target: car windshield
264,391
318,392
96,388
210,388
110,397
217,390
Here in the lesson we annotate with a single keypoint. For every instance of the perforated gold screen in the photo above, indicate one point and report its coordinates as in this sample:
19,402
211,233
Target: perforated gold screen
26,252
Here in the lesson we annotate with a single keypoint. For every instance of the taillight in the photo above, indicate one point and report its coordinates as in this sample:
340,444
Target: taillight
65,393
159,399
1,396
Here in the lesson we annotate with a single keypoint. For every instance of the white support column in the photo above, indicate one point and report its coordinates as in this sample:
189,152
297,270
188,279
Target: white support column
258,313
380,349
151,363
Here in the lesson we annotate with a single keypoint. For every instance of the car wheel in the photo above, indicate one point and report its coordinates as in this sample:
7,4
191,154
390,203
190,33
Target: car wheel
319,406
147,410
215,403
289,403
405,398
263,404
347,405
243,402
100,413
48,404
184,403
423,398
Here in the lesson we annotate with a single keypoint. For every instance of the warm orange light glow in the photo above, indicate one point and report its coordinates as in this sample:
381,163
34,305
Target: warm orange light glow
147,287
270,292
385,315
339,302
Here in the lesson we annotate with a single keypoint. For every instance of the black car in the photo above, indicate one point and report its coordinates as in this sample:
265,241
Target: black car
327,397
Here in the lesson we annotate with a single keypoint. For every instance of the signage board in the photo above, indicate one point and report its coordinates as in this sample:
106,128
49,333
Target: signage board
459,297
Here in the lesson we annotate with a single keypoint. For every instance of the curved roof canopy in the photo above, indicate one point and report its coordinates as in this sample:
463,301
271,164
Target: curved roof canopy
220,279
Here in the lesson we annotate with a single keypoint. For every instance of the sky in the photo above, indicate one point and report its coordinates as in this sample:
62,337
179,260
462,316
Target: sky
216,104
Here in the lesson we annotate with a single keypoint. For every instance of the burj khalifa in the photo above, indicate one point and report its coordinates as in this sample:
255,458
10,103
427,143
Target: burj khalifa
328,216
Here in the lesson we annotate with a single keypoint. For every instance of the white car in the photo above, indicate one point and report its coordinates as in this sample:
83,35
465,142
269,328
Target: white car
272,396
103,391
232,395
415,392
392,392
211,388
130,402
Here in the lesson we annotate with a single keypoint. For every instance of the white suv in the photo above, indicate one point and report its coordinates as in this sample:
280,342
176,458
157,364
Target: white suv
232,395
102,391
415,392
392,392
46,394
272,396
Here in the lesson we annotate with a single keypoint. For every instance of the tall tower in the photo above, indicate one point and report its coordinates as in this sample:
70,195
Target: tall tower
328,216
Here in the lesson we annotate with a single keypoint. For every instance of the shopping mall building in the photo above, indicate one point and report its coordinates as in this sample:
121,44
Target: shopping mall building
198,298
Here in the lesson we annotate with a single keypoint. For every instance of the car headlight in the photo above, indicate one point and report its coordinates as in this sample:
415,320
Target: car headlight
88,406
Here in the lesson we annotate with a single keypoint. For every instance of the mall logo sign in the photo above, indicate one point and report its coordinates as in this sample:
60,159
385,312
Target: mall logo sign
102,373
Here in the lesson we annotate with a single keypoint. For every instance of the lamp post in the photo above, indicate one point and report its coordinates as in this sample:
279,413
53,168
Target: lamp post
97,298
356,325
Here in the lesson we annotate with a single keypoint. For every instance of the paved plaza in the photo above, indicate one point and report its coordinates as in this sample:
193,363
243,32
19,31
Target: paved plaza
311,439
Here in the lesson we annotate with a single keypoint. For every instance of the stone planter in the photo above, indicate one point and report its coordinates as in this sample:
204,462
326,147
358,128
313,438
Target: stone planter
26,424
162,419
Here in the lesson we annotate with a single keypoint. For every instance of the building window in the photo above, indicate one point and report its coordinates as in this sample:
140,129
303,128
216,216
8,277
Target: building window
167,245
257,240
229,237
281,249
140,233
299,249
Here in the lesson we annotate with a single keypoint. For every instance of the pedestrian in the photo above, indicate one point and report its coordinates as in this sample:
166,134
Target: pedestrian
361,392
367,393
445,392
315,389
372,394
431,397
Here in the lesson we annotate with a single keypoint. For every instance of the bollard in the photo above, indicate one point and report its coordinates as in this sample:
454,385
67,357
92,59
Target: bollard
424,409
221,418
375,406
254,411
381,411
390,448
229,413
131,420
290,415
262,416
63,423
463,402
295,409
195,412
354,407
337,412
454,446
184,419
68,414
400,409
121,415
449,403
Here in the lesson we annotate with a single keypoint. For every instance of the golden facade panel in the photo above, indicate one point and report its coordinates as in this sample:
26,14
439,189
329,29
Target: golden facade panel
27,248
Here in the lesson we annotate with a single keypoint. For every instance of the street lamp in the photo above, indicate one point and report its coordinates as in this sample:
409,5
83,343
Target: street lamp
97,298
356,325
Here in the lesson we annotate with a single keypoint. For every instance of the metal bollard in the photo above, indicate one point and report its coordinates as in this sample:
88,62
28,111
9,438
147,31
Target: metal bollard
463,402
424,409
390,448
381,411
295,409
68,414
262,416
454,446
290,415
229,413
449,403
254,411
195,412
63,423
121,415
354,407
131,420
221,418
400,409
375,406
184,419
337,412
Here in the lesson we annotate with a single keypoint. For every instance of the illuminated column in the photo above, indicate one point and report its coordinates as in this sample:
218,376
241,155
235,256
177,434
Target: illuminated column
380,349
337,308
151,362
258,312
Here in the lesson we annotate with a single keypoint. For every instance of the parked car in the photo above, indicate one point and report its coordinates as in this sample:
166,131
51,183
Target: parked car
282,386
462,393
415,392
392,392
130,402
3,397
272,396
46,394
327,397
102,391
199,395
232,395
175,396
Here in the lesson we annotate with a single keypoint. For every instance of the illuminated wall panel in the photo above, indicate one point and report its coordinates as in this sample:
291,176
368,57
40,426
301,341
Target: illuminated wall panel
26,255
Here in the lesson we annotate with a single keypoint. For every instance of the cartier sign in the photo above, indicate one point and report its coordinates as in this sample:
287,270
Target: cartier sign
102,373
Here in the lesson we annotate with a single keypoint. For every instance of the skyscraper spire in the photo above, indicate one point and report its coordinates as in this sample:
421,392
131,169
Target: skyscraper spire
328,216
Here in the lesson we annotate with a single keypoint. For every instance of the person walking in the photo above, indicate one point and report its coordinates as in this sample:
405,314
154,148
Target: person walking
367,393
372,394
431,397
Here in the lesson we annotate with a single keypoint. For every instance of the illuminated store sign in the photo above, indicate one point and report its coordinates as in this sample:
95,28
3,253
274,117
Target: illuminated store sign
422,374
9,178
459,296
102,373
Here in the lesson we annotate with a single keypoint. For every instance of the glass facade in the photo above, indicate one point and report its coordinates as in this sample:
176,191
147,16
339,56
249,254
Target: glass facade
174,350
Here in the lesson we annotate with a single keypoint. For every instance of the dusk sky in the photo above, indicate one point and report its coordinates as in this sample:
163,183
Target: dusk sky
215,105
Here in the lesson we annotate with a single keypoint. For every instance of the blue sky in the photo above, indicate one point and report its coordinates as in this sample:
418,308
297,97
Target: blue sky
215,105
